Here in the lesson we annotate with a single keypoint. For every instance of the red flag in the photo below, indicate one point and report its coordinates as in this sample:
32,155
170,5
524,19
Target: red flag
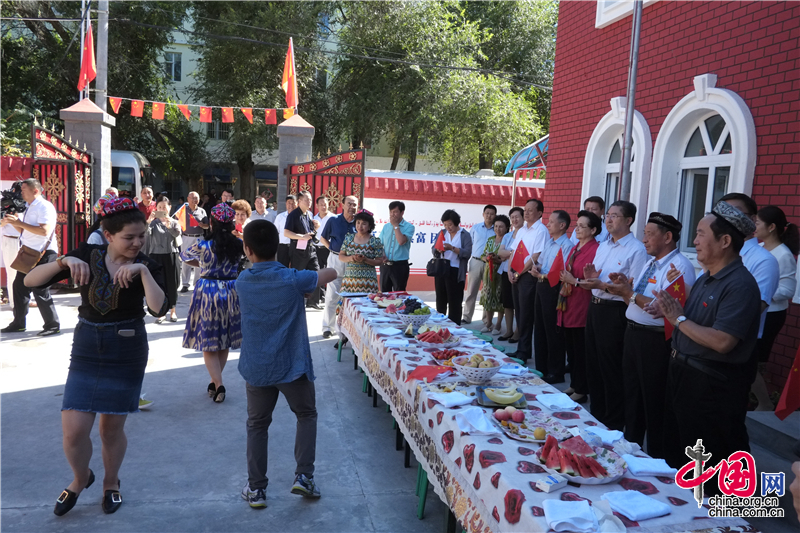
790,397
137,108
180,216
288,113
185,110
678,291
88,65
520,254
289,81
270,117
158,111
554,275
193,223
227,114
205,114
440,242
115,103
248,113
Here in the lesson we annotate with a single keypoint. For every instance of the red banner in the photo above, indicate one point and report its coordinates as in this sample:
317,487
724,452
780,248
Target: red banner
248,113
205,114
270,116
227,114
158,111
137,108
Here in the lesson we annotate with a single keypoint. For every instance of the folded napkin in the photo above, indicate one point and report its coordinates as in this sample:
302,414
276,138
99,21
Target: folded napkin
607,520
396,343
475,344
646,466
556,402
437,317
513,369
635,505
607,435
389,331
570,516
378,319
459,331
430,373
474,422
450,399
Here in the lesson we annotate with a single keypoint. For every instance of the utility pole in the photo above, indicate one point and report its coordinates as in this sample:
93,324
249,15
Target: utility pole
633,66
101,83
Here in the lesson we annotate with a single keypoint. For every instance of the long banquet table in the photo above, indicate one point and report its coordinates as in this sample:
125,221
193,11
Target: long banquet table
488,481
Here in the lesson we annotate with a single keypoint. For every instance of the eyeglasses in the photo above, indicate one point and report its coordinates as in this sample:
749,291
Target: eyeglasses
614,216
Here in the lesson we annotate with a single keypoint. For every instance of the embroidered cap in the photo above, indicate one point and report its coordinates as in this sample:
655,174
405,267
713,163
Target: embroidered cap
735,218
222,212
98,206
115,205
665,221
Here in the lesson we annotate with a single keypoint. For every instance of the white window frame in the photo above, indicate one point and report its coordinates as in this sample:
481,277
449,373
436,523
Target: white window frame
684,214
171,64
218,130
610,11
609,130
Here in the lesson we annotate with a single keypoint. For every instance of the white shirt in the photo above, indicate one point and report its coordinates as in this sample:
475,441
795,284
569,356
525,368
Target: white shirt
480,234
323,221
280,223
256,216
535,239
626,256
787,284
455,261
659,282
38,213
764,267
10,231
603,237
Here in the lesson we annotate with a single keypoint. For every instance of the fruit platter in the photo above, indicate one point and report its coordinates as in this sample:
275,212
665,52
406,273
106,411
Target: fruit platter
529,426
501,397
412,312
386,302
436,337
579,462
477,369
445,357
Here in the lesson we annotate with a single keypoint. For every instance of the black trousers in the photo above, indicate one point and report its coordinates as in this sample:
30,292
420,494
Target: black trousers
449,295
575,346
704,407
547,343
306,261
645,362
605,338
527,302
284,255
22,298
394,277
322,256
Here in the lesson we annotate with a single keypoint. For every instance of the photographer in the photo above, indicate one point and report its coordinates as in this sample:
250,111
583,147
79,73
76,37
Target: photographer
36,226
302,231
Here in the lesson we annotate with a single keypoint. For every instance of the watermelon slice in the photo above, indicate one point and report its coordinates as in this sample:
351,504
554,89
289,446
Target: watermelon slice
566,464
553,462
583,468
596,467
445,333
549,443
578,446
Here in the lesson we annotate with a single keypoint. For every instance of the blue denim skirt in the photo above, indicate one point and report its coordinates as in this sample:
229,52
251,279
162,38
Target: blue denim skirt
106,368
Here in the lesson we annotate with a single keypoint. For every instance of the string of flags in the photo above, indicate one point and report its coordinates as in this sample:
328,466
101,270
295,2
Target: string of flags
157,110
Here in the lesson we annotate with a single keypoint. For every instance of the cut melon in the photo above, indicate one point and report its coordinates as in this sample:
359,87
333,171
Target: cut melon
578,446
596,467
549,444
583,468
566,464
445,334
553,462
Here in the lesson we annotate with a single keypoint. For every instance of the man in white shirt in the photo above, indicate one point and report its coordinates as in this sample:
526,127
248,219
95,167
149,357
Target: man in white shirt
647,352
533,238
322,217
261,212
596,205
479,233
37,226
606,323
284,253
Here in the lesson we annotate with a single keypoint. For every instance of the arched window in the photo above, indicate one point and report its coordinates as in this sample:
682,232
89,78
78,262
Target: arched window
612,170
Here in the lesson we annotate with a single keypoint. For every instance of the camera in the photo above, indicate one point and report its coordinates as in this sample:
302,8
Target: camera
11,202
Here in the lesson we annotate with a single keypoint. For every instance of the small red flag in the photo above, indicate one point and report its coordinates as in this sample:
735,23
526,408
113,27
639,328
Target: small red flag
440,242
185,110
205,114
248,113
554,275
790,397
289,80
227,114
88,64
137,108
158,111
520,254
193,223
678,291
288,113
270,116
180,216
115,103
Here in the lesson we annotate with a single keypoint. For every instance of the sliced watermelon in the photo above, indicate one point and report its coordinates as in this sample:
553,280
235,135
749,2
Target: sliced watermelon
578,446
445,334
583,468
596,467
549,443
566,464
553,462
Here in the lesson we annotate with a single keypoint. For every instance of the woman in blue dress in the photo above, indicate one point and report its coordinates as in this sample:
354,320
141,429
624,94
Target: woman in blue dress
214,324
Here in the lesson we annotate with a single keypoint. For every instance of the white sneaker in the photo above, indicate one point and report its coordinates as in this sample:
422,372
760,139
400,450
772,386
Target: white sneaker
486,329
256,498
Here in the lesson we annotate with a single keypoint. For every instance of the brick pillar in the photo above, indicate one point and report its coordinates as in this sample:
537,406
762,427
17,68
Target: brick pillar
88,124
294,144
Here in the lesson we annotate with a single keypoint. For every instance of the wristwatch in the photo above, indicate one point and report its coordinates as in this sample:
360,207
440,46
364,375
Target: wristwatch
680,320
632,299
61,265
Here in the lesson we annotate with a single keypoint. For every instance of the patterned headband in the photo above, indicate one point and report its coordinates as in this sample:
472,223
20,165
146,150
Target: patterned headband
223,212
98,206
366,212
116,205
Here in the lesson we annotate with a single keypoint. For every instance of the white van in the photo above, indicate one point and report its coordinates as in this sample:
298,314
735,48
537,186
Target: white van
130,171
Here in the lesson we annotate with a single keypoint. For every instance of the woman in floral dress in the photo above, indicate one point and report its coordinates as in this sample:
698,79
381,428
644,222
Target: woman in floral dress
492,281
361,253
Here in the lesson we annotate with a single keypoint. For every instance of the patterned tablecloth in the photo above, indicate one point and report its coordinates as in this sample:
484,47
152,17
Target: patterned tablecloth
488,481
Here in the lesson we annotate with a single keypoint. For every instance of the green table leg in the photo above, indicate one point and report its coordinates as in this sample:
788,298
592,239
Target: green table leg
364,384
339,350
422,493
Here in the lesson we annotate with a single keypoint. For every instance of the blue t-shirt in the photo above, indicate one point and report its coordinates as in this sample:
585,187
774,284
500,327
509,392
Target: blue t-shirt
336,230
275,345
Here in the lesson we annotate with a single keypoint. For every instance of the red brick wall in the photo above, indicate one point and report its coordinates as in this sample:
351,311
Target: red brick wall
753,48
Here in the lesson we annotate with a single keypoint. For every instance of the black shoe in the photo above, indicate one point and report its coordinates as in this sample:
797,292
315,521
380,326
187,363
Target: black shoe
49,332
513,341
212,389
336,346
67,500
12,328
327,334
219,396
185,288
552,379
314,306
112,499
503,339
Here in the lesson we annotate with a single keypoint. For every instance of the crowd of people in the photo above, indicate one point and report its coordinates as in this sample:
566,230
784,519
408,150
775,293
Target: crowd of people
663,354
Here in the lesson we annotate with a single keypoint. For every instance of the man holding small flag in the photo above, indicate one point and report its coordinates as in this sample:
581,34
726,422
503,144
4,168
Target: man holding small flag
548,345
193,220
646,354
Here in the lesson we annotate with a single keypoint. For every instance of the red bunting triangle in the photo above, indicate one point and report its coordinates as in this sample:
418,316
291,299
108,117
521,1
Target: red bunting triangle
137,108
288,113
185,110
158,111
270,117
115,103
227,114
248,113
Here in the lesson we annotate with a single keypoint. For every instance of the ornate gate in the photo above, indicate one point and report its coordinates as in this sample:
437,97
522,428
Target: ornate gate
334,176
65,172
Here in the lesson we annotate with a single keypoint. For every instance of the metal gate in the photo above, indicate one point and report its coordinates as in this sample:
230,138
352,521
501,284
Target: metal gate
334,176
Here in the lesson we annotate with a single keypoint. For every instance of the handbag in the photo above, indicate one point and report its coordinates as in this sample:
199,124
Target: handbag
28,257
437,267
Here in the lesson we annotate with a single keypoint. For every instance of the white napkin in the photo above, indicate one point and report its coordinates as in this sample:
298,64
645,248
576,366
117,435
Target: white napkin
609,436
474,422
475,344
513,369
378,319
609,522
646,466
371,310
459,331
450,399
389,331
396,343
635,505
556,402
570,516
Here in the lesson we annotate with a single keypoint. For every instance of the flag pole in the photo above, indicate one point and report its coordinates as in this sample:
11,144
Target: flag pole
83,36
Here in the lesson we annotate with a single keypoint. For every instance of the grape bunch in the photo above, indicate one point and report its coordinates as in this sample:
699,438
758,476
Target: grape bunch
415,307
